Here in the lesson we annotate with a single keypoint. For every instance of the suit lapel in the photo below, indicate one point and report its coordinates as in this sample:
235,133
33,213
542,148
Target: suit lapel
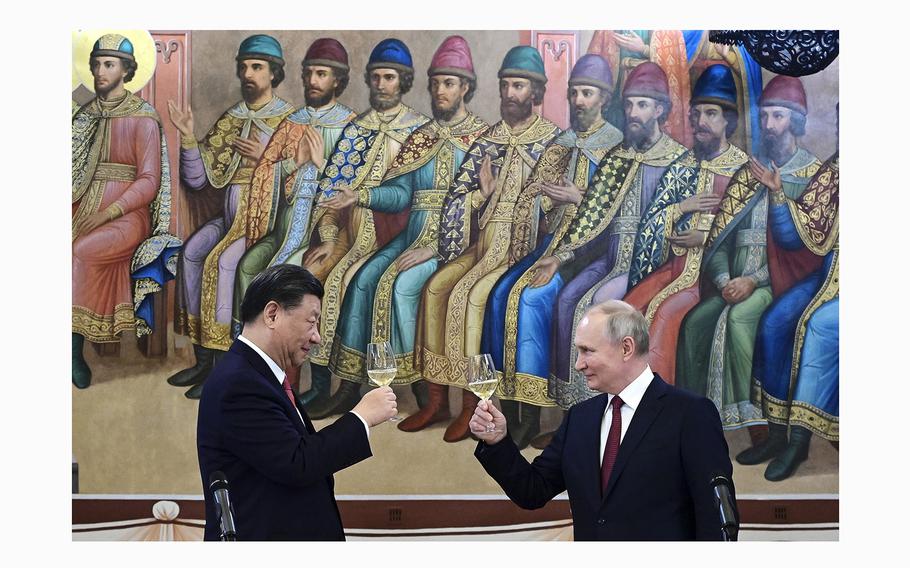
650,406
265,372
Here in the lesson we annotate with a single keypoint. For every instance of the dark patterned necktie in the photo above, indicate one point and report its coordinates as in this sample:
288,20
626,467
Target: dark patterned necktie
612,447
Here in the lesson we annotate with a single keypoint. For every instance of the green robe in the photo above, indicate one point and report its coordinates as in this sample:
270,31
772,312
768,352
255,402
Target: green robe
717,340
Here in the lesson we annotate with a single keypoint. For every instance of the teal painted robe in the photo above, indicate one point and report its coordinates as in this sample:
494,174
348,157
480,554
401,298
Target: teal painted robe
380,303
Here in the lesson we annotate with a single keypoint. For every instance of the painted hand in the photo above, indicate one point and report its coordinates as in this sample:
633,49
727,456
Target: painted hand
544,271
183,121
410,259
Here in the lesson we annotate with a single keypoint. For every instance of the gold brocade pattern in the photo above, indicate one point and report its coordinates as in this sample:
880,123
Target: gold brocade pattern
109,171
380,155
724,165
815,213
624,224
525,388
266,179
782,412
510,332
429,141
614,175
215,335
348,364
335,285
100,328
442,370
510,182
550,168
219,157
741,190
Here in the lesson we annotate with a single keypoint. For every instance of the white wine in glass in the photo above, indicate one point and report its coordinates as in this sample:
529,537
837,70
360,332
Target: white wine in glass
381,366
482,378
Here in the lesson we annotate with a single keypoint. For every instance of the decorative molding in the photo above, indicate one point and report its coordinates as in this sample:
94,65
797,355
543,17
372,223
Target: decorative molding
167,49
563,47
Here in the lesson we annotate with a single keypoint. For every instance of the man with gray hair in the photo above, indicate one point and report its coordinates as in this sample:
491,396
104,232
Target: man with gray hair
659,447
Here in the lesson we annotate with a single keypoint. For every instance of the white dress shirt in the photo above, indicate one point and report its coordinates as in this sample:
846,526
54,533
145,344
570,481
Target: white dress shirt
631,397
279,376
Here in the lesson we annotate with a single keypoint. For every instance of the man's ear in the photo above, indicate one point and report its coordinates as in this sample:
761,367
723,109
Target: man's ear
628,348
270,313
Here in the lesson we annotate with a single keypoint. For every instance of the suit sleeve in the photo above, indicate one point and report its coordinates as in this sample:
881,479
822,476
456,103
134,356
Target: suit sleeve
705,455
528,485
259,432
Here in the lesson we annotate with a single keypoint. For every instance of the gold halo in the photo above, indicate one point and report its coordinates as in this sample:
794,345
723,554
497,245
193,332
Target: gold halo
143,50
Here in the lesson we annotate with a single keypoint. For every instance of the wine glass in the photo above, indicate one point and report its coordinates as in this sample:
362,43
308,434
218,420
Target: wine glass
482,378
381,366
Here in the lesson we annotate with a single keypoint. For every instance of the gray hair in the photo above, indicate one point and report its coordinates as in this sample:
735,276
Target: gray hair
623,321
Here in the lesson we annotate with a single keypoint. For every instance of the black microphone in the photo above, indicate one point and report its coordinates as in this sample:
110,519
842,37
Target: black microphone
723,500
219,486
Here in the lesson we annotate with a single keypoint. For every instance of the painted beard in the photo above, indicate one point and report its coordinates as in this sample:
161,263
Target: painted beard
638,137
381,102
444,114
705,150
103,90
583,118
318,98
772,146
251,91
515,111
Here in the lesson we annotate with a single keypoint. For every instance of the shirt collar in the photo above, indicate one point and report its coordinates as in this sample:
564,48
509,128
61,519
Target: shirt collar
634,391
279,372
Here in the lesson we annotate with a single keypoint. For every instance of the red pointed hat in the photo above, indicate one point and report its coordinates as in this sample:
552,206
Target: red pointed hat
785,91
647,80
327,51
453,58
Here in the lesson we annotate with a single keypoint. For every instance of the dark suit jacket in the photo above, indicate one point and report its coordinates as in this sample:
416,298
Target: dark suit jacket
279,469
659,488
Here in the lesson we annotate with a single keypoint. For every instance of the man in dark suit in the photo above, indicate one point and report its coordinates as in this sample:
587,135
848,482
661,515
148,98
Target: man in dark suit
637,461
251,427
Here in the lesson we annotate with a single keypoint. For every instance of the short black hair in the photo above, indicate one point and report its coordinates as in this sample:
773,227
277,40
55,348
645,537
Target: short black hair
538,90
285,284
343,76
277,70
131,67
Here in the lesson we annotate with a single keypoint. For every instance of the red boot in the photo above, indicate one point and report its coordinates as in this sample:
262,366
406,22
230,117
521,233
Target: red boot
459,430
436,410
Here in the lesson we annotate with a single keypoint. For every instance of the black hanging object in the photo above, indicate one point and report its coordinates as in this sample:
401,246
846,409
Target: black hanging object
785,52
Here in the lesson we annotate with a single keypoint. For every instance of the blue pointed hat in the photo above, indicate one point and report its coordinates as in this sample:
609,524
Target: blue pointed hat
523,61
113,45
391,53
261,46
715,86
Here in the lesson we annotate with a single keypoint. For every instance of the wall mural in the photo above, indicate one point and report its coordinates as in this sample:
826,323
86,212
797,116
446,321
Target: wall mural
693,174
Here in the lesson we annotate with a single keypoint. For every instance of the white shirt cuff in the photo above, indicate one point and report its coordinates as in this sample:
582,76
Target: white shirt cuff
365,425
